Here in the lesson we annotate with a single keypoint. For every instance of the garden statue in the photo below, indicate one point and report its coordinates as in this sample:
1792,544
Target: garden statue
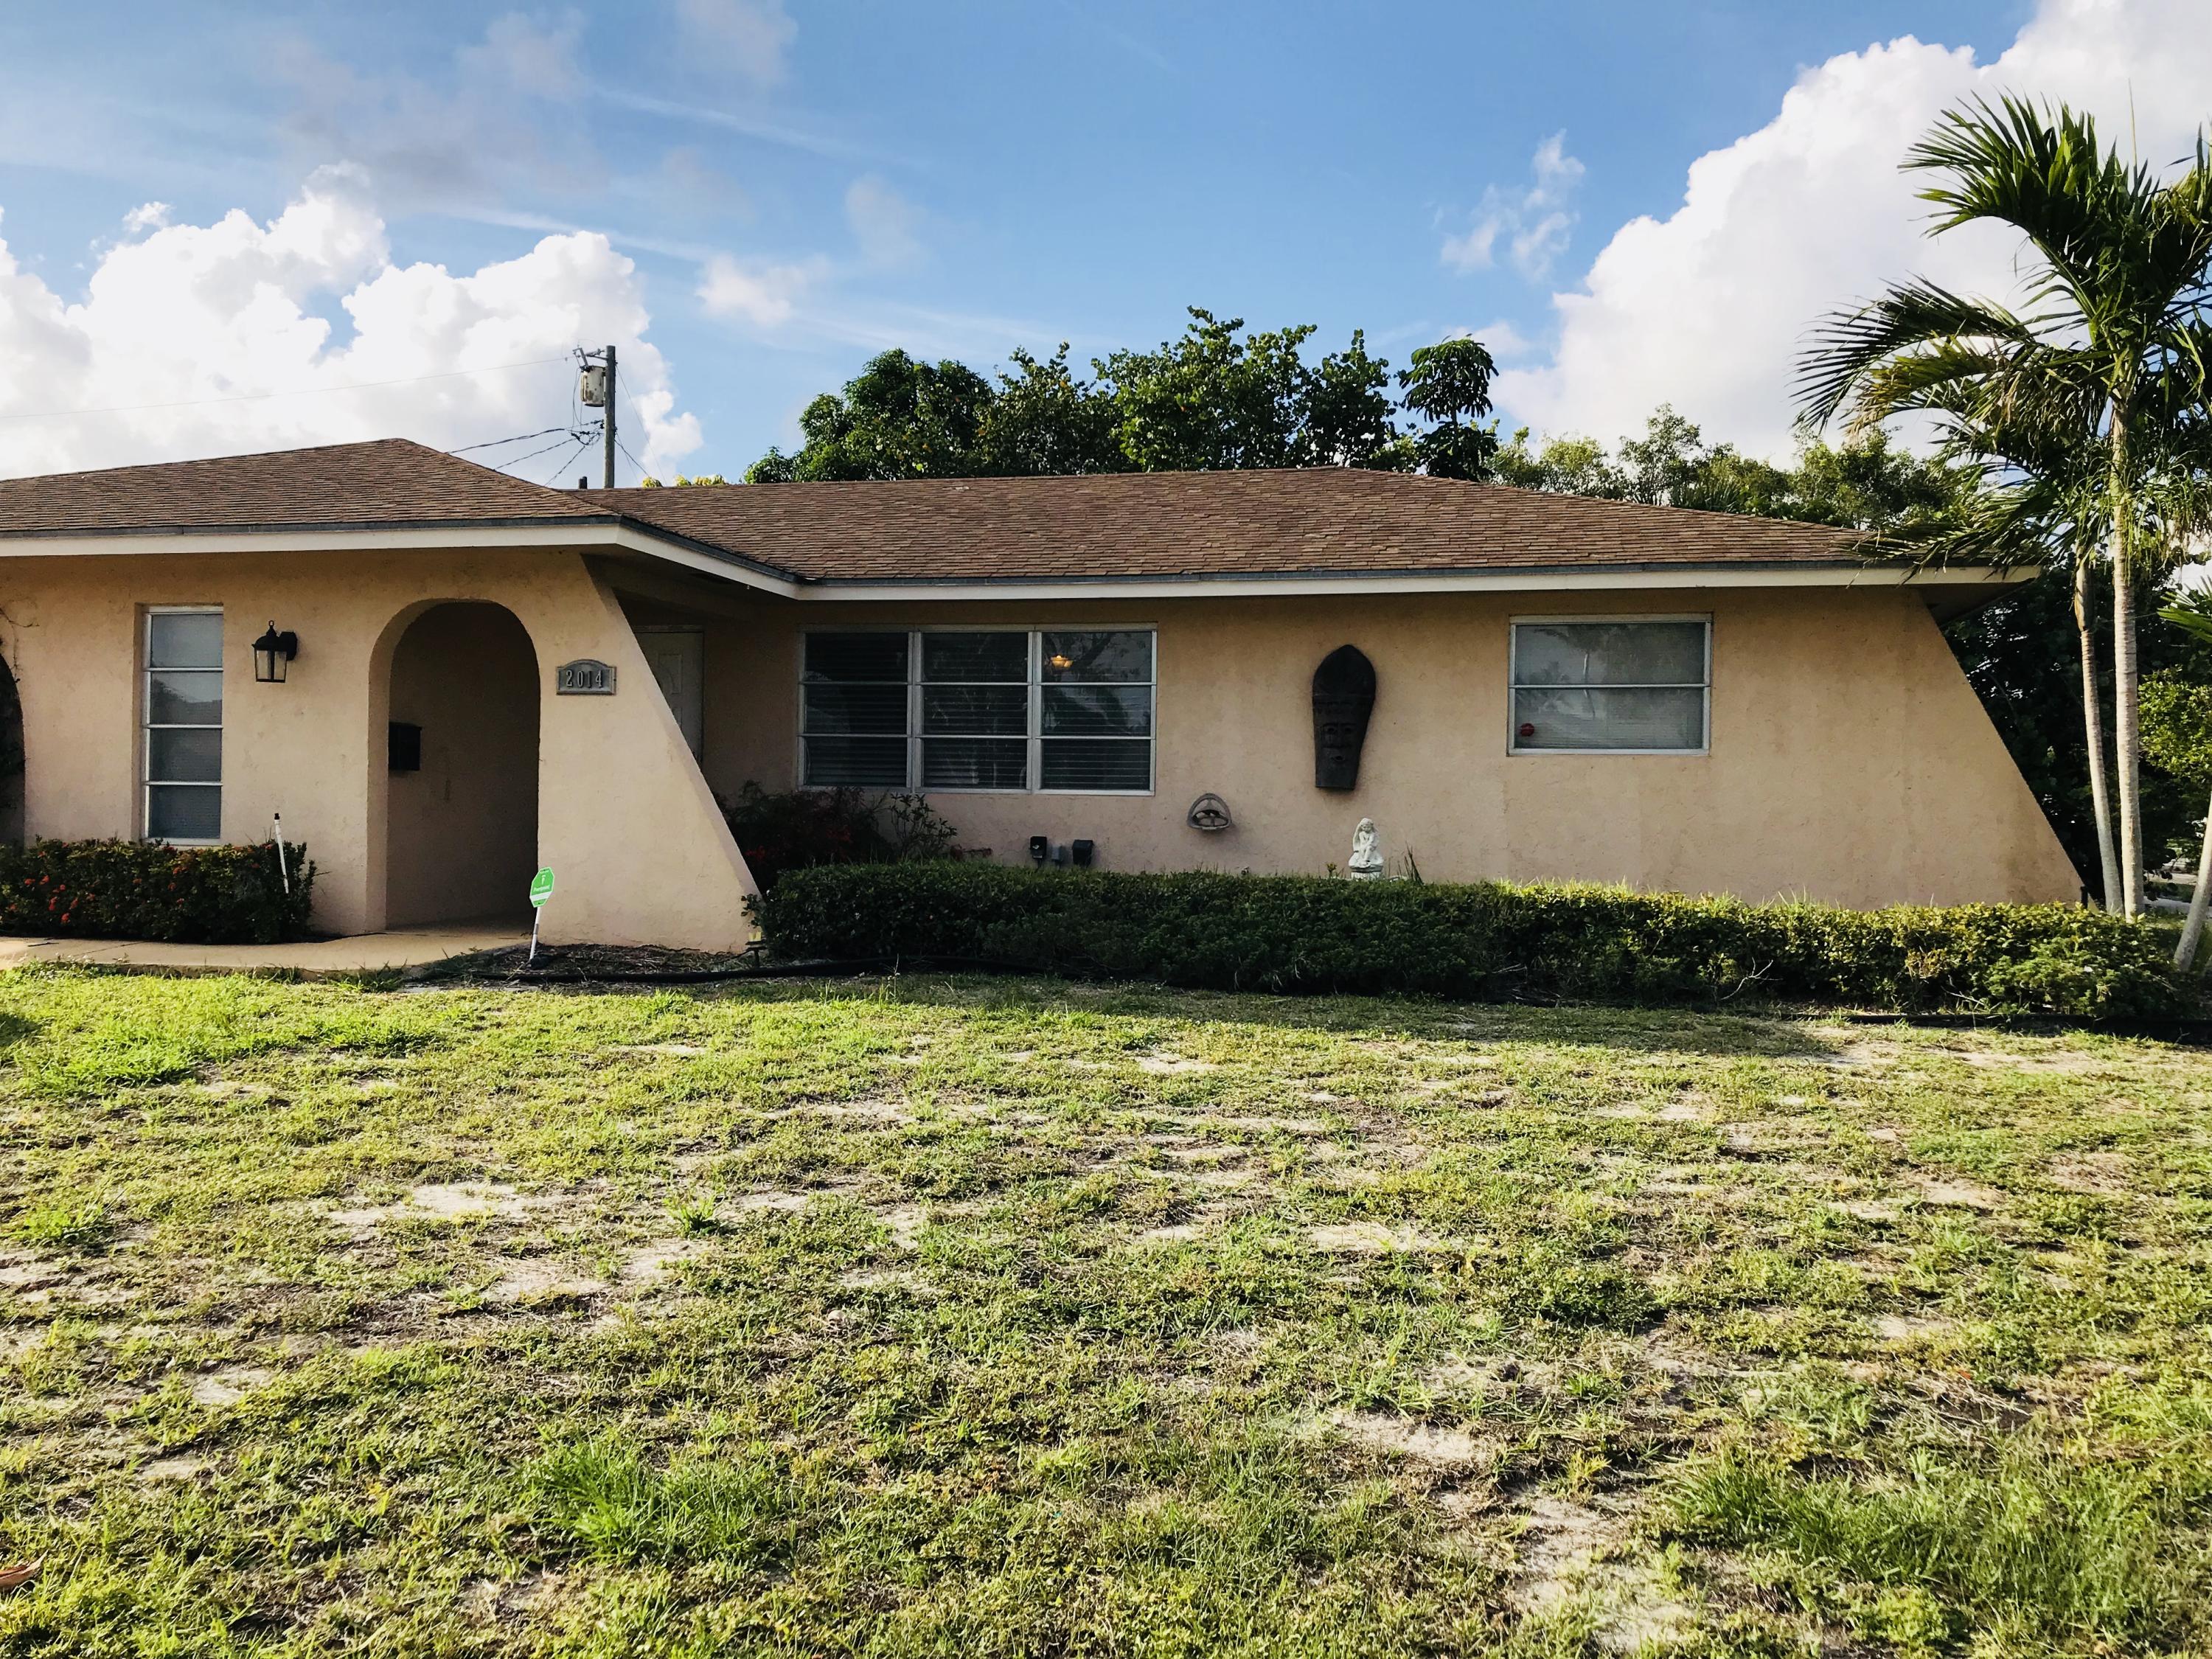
1366,862
1343,697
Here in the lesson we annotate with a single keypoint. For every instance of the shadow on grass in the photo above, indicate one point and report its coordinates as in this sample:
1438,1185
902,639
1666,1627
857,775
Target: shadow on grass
1756,1033
16,1029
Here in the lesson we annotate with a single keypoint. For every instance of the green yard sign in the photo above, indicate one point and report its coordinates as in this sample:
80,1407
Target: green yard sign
541,889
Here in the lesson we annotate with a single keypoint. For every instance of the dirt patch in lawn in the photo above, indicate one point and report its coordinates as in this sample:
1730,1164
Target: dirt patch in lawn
2105,1173
449,1202
1427,1443
1571,1554
1373,1239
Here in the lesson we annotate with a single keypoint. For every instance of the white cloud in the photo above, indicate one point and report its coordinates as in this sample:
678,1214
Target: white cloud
1534,223
1709,308
536,58
748,36
209,320
763,293
1502,337
148,215
455,140
884,223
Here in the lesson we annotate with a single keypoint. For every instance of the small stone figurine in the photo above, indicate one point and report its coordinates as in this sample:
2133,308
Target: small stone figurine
1366,862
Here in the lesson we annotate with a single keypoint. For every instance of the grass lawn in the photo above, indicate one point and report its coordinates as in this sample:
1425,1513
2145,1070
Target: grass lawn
994,1317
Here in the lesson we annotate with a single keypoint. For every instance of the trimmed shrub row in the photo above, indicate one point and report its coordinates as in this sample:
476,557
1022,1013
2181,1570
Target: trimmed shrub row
1484,941
143,890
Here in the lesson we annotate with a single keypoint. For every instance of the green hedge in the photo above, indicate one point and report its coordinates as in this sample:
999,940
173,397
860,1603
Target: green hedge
144,890
1476,941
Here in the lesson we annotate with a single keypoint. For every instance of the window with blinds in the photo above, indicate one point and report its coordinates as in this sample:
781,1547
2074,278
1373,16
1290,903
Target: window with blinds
1623,685
182,736
1065,711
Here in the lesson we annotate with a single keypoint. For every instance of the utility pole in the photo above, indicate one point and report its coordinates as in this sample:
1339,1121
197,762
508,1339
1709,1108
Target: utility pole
609,422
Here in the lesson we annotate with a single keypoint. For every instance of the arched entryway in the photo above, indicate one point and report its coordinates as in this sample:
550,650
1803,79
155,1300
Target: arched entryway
11,759
461,807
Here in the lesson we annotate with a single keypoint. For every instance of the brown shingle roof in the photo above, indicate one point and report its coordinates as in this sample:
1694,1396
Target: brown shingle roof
1125,525
389,482
1210,523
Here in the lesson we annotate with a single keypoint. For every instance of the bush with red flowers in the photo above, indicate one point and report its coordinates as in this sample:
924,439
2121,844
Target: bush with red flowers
807,827
144,890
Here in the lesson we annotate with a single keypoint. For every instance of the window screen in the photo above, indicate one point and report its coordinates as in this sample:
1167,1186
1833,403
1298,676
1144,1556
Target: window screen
853,688
975,711
183,735
979,708
1622,685
1096,730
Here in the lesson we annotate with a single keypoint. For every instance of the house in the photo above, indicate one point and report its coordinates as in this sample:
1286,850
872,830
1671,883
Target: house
484,674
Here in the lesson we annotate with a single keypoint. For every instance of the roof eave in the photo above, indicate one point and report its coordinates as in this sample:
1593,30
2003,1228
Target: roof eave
605,532
1489,578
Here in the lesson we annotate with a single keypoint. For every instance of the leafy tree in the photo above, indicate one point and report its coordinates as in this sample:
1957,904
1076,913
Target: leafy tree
1209,400
1449,384
1863,484
1569,465
2112,347
1043,420
1216,397
1348,412
898,418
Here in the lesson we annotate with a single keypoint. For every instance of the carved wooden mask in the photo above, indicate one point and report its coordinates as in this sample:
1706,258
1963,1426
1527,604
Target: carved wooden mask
1343,698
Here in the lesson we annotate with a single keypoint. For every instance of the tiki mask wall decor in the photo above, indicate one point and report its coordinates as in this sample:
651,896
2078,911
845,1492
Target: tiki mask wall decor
1343,698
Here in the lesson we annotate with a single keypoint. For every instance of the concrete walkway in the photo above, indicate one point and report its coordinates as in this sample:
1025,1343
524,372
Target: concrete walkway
310,958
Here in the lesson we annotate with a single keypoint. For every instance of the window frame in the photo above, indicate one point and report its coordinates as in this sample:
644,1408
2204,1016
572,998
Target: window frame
1514,688
147,781
1034,686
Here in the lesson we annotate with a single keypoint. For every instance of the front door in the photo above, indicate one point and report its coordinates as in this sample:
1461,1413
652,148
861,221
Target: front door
678,657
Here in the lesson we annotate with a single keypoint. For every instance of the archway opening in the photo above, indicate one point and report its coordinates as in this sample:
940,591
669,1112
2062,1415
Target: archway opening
11,759
461,808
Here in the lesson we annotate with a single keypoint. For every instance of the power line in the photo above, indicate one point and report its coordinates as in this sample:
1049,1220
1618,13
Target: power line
495,443
562,466
631,459
517,460
257,397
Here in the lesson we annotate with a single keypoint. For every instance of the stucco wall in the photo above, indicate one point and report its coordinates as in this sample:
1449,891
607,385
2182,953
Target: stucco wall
1851,761
463,841
640,852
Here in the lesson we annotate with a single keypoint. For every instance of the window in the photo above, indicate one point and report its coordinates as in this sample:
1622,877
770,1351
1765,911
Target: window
957,708
1612,684
183,725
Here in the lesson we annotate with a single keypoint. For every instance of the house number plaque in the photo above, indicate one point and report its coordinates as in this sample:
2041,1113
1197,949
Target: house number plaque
584,677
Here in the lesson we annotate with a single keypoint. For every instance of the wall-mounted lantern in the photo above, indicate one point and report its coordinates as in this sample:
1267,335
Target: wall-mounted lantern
272,655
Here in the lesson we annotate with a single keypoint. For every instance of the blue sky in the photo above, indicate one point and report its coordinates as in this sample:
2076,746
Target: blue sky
797,186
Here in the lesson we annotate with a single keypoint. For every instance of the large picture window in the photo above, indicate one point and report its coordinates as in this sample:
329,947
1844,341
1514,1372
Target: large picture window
1622,685
948,710
183,735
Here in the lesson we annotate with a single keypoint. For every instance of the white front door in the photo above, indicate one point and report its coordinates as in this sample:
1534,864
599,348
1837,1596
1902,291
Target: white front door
678,656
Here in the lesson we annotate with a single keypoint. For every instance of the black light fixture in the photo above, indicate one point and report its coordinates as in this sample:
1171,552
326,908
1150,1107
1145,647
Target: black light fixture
272,655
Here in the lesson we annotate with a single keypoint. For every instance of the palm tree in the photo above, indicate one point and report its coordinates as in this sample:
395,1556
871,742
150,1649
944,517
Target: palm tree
2111,350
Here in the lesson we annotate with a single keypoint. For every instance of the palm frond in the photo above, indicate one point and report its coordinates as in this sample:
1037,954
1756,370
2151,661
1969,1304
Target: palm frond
1848,344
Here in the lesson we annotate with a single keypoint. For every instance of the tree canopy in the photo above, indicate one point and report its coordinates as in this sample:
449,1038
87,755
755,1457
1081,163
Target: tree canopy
1218,396
1863,483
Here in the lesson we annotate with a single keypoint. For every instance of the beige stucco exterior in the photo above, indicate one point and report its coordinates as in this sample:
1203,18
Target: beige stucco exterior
639,848
1850,760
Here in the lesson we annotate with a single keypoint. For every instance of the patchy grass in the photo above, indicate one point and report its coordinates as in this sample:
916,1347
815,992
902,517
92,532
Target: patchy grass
1014,1318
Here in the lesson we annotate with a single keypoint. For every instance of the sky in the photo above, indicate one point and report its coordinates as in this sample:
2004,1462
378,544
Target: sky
240,225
